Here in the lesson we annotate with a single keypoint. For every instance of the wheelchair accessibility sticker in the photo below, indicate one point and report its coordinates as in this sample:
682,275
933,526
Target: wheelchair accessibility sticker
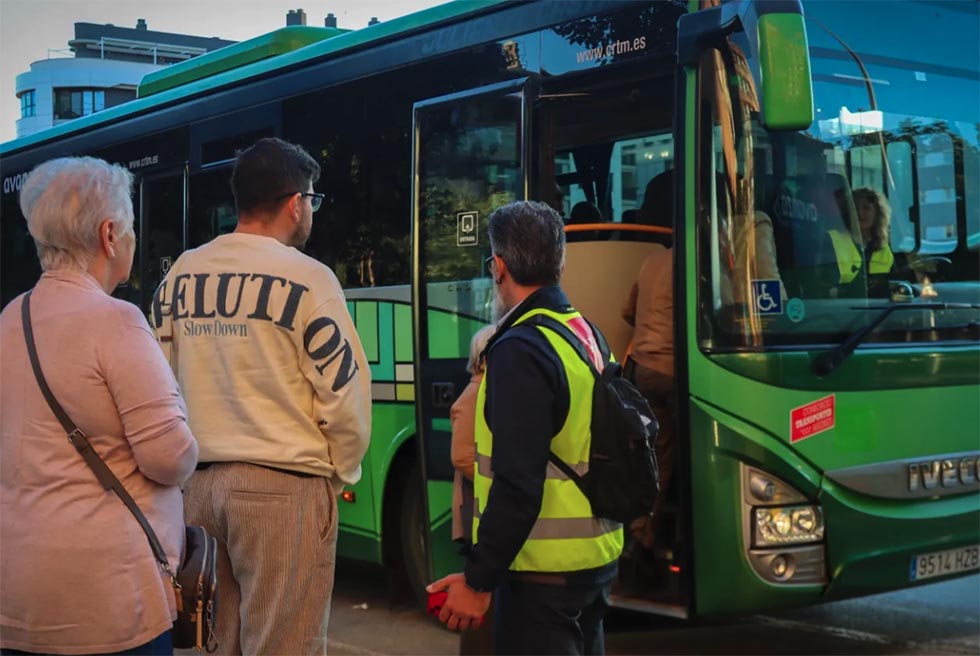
766,297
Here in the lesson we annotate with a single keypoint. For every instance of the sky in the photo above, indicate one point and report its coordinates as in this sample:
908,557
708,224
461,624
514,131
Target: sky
29,29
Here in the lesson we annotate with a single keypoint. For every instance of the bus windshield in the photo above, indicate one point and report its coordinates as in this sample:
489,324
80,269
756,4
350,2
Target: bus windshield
805,236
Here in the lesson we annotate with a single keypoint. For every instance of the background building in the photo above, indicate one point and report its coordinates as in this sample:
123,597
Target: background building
106,68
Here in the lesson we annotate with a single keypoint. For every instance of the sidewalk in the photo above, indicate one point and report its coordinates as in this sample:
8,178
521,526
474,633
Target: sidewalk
365,622
382,628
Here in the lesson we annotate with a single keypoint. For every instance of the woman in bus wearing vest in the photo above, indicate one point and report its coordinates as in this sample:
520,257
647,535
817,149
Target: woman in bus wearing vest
874,217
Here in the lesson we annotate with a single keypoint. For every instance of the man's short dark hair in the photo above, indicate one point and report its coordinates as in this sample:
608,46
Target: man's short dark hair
268,170
530,238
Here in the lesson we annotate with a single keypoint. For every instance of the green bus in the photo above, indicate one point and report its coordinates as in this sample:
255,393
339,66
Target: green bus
828,424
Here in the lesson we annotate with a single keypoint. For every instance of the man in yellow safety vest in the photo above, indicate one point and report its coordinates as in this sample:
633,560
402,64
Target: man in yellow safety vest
537,546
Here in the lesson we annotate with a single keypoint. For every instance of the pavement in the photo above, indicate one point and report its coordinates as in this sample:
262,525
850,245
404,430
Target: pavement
942,618
369,619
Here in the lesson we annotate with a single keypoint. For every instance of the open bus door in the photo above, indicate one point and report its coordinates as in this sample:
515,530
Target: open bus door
470,156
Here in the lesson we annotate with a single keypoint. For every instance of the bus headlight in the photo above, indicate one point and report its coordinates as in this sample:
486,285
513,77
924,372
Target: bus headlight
782,530
783,525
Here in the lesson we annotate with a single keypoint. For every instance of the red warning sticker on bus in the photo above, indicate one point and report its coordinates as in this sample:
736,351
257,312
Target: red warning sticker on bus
812,418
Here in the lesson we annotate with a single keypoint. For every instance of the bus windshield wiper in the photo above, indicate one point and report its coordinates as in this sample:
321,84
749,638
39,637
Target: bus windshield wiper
826,362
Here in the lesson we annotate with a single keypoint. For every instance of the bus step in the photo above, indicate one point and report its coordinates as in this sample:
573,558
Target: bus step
649,606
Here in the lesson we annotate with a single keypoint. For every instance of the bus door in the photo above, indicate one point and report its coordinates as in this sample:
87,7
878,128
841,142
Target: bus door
470,156
162,209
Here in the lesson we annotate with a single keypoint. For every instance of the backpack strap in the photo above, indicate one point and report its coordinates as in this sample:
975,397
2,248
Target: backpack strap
565,332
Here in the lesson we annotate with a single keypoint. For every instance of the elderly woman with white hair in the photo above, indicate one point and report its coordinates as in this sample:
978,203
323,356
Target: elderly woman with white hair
77,575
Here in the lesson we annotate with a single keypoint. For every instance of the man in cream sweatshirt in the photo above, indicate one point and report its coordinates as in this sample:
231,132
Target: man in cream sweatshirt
278,395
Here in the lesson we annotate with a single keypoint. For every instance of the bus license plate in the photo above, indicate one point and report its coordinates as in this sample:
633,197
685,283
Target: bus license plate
940,563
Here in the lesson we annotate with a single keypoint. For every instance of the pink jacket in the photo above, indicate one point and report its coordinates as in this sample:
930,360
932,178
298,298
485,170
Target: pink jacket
76,572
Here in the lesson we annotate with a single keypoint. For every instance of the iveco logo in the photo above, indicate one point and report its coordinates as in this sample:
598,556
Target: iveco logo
925,477
950,472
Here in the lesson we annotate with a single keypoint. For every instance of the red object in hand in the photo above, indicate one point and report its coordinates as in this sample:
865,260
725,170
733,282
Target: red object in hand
436,601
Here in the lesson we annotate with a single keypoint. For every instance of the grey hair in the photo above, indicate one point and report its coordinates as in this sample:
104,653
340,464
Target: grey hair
477,344
66,199
529,236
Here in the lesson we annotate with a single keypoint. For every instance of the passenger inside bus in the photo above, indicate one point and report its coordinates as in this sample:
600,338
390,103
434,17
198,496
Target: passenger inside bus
748,252
657,208
650,365
584,212
874,217
557,201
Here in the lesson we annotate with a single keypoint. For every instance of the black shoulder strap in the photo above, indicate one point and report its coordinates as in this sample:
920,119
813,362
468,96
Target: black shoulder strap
568,471
565,332
79,440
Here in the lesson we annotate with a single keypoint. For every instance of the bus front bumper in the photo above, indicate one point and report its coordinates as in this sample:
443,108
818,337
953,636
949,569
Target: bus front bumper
873,544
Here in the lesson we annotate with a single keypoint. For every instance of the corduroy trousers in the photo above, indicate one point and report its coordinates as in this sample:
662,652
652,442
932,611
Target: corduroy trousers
277,547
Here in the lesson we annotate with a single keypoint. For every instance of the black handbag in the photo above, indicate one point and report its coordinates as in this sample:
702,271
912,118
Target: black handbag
196,581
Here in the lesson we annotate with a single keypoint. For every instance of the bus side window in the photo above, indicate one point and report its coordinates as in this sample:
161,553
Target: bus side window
212,206
362,230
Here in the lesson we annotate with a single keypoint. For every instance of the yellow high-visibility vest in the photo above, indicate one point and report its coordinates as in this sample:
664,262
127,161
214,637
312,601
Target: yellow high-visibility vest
566,537
848,256
881,260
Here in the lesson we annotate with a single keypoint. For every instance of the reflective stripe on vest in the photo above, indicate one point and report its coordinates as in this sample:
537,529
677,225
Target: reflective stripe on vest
580,468
566,537
881,260
552,529
847,254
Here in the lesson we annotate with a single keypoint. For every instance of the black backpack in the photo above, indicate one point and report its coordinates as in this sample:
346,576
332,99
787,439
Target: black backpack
623,479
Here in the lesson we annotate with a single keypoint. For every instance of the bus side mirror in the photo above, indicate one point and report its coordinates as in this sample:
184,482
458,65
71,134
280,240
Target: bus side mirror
784,68
777,39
